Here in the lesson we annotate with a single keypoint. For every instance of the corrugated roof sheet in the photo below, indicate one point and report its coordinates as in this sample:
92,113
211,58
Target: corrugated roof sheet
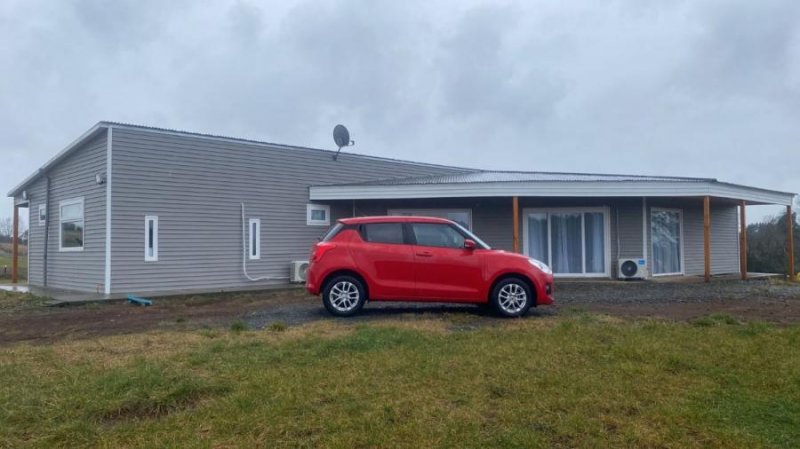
491,176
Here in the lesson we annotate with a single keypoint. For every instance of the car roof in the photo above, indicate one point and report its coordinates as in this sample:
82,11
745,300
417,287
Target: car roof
393,219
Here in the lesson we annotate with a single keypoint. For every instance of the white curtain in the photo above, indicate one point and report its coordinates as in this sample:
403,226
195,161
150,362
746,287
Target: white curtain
666,235
572,235
538,247
595,241
565,229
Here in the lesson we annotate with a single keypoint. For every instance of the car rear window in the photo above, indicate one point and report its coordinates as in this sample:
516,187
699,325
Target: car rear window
383,232
332,232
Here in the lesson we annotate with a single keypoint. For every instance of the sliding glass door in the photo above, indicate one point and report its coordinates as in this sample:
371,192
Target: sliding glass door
665,230
572,241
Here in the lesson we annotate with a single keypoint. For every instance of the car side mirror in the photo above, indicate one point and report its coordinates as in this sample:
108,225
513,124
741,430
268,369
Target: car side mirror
469,244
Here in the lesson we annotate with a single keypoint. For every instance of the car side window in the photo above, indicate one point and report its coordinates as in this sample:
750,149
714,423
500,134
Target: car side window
435,234
383,233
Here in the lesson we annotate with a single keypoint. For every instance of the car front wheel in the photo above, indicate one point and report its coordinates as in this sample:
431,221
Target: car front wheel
512,297
343,296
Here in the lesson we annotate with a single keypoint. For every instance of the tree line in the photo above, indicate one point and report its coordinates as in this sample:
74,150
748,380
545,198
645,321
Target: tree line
766,245
7,230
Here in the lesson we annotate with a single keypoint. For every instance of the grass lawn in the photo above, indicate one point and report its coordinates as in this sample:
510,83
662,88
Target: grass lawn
571,381
5,261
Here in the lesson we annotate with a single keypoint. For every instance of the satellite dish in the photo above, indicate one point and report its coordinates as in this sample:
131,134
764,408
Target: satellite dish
342,138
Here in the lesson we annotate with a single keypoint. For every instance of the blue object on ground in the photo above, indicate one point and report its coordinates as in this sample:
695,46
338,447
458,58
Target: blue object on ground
141,301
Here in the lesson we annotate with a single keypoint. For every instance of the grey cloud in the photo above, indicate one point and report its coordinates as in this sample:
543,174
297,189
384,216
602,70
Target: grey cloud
707,88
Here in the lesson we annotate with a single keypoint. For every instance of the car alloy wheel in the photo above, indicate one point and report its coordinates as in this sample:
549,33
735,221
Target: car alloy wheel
512,297
344,296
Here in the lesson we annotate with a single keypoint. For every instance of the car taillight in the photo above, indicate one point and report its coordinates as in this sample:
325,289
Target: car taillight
320,249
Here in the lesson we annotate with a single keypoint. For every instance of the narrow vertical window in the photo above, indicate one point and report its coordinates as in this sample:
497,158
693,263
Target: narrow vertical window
151,238
42,214
255,238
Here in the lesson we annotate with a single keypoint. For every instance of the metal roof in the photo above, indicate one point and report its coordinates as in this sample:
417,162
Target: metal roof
102,125
484,183
471,181
493,176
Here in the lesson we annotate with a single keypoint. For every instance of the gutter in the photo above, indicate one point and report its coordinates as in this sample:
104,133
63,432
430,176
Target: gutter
46,230
57,158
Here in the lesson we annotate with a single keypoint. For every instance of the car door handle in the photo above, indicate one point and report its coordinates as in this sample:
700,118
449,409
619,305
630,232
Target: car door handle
425,254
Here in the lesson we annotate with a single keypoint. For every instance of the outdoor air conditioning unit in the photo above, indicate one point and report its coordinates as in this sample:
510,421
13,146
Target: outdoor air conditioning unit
631,269
299,269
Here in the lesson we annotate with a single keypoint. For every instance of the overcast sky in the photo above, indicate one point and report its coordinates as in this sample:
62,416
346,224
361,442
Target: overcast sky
689,88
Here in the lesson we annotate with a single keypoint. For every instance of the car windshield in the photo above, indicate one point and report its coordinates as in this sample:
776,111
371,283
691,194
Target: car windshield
472,236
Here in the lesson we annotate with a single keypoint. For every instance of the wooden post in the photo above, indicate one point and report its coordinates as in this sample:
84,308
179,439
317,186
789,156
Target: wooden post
515,214
707,238
15,246
790,241
743,240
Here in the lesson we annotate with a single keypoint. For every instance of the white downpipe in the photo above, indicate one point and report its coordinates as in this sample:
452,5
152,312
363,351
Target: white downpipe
648,265
244,258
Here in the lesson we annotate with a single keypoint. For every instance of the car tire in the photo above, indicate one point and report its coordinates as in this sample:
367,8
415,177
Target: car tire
512,297
344,295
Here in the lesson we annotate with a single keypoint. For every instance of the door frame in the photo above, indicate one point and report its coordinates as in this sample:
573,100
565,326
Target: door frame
652,252
605,210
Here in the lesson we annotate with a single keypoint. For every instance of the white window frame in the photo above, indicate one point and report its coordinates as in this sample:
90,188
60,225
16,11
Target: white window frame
42,208
650,236
315,207
605,210
61,221
257,234
433,212
147,220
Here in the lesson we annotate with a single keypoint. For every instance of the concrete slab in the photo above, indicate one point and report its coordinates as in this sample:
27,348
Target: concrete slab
61,297
15,288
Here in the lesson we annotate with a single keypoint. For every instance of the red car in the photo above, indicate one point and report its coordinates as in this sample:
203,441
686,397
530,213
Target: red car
421,259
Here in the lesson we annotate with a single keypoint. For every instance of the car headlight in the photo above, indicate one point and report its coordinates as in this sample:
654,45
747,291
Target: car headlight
541,265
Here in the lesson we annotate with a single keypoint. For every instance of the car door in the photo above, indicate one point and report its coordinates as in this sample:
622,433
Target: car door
445,270
386,259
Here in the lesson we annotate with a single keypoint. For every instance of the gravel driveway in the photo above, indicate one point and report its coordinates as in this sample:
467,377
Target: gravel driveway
576,292
777,303
750,300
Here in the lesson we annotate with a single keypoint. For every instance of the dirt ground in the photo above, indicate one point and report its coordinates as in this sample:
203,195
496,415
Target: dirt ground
32,322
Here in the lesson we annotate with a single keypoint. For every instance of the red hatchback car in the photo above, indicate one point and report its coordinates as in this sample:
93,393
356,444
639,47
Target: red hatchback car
421,259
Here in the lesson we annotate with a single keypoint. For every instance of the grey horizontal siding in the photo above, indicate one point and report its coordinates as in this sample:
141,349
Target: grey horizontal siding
491,217
724,239
36,233
195,187
72,178
630,217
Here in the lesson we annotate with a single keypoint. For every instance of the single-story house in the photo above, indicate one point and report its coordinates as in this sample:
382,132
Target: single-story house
136,209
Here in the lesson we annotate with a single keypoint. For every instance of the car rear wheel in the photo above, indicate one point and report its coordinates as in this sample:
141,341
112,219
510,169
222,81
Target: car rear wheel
343,296
512,297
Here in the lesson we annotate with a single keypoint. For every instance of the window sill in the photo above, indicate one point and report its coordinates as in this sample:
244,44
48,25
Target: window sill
70,250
